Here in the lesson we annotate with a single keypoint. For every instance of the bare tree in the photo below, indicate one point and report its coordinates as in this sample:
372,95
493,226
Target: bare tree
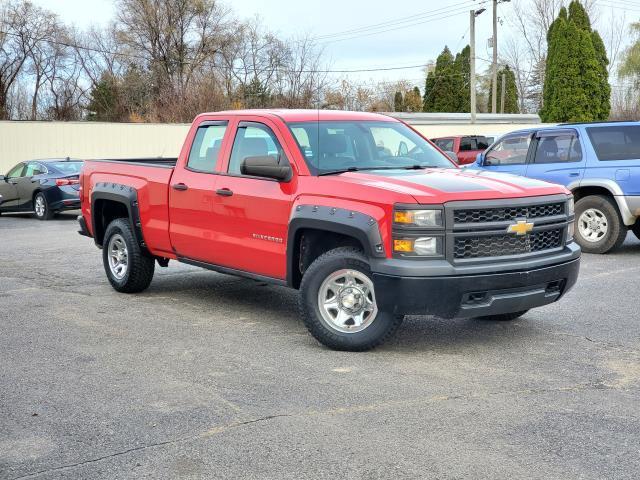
14,32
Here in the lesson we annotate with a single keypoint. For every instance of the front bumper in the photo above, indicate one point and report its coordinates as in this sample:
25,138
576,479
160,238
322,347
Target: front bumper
475,295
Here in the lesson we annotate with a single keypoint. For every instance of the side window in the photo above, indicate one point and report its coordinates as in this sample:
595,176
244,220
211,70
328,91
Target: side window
254,140
467,144
561,148
34,169
445,144
16,171
510,150
205,149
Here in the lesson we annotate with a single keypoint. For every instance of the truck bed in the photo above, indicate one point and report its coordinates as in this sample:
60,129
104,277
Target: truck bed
150,178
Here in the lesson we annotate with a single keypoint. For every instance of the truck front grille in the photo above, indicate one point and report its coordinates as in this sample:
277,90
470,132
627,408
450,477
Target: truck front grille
501,214
477,246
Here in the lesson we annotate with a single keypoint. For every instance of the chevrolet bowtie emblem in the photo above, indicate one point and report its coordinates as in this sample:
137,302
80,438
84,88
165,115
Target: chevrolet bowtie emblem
521,227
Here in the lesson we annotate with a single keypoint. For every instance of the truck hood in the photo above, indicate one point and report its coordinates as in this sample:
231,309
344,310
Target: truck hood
440,185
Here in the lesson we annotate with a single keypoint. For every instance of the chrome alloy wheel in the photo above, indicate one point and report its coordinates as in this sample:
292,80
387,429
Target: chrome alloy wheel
40,207
347,301
593,225
118,256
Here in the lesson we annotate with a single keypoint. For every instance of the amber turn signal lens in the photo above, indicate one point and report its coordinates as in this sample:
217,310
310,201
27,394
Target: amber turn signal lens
401,216
403,246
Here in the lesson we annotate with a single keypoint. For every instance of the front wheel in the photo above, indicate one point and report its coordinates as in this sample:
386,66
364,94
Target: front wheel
599,228
41,207
128,269
338,303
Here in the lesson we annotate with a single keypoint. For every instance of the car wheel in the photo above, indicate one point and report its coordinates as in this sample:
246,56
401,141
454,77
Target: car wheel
338,303
636,229
504,317
599,228
41,207
128,269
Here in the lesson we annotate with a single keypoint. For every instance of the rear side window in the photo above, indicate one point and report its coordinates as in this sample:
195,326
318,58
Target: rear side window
616,142
561,148
445,144
205,149
473,143
34,169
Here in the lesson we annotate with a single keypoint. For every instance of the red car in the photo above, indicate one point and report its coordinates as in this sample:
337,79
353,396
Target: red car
466,147
359,212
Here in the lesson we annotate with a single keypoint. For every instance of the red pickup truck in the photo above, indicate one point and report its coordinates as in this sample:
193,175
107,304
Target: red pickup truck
465,147
358,211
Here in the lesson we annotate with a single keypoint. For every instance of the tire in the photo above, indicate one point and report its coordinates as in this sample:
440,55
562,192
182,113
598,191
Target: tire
128,269
505,317
350,263
603,211
41,208
636,229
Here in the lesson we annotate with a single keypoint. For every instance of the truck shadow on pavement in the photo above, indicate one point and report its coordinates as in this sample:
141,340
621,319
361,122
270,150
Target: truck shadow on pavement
216,295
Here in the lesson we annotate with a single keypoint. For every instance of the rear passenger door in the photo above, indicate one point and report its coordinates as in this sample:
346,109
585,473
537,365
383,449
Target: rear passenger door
192,193
509,154
557,157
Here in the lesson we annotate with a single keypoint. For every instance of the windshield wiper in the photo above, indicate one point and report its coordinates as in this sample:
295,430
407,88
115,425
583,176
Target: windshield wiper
356,169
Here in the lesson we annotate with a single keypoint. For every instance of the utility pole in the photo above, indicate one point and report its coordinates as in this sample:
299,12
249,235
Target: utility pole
494,65
502,93
472,69
472,66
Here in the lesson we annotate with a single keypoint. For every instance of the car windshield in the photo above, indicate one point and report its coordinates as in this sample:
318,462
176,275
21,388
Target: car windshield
335,146
66,167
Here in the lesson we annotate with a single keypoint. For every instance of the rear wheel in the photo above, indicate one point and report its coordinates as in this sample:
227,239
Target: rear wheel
338,303
128,269
599,228
41,207
505,317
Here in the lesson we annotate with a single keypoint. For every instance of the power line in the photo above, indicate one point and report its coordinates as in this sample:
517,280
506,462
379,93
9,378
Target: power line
450,14
407,19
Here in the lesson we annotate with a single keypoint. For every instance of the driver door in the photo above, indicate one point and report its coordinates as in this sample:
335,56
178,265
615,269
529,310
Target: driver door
9,188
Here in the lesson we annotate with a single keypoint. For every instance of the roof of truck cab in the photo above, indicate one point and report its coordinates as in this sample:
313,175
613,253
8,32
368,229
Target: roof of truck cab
309,115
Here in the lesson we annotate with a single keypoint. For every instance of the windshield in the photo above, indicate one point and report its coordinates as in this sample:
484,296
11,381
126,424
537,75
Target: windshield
69,168
364,145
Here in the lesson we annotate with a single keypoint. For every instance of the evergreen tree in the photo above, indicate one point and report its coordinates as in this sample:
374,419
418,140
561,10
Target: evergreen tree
103,105
511,92
398,102
576,82
441,92
447,86
462,80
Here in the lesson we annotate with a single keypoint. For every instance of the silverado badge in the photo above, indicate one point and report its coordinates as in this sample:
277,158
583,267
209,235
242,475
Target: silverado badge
521,227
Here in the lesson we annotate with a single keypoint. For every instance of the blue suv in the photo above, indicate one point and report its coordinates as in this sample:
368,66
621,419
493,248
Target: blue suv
598,162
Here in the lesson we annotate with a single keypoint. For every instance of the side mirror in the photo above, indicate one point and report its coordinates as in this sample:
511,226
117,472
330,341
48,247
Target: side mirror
266,166
3,178
479,159
452,156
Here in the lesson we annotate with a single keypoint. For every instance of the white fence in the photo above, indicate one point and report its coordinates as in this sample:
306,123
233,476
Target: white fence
21,141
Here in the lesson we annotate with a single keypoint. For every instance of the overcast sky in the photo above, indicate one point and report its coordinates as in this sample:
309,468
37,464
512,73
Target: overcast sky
411,43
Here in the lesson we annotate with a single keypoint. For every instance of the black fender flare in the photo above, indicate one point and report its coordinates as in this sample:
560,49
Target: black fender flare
351,223
125,195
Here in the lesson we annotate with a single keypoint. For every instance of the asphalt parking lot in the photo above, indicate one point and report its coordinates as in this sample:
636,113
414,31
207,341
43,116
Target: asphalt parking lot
211,376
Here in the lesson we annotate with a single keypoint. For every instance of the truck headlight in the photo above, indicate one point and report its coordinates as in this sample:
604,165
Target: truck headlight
418,218
418,247
571,206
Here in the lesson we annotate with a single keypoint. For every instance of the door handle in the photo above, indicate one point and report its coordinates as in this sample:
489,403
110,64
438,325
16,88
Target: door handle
179,186
225,192
574,174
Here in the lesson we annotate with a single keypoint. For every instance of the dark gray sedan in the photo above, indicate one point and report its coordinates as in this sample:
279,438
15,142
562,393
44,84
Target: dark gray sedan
43,187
